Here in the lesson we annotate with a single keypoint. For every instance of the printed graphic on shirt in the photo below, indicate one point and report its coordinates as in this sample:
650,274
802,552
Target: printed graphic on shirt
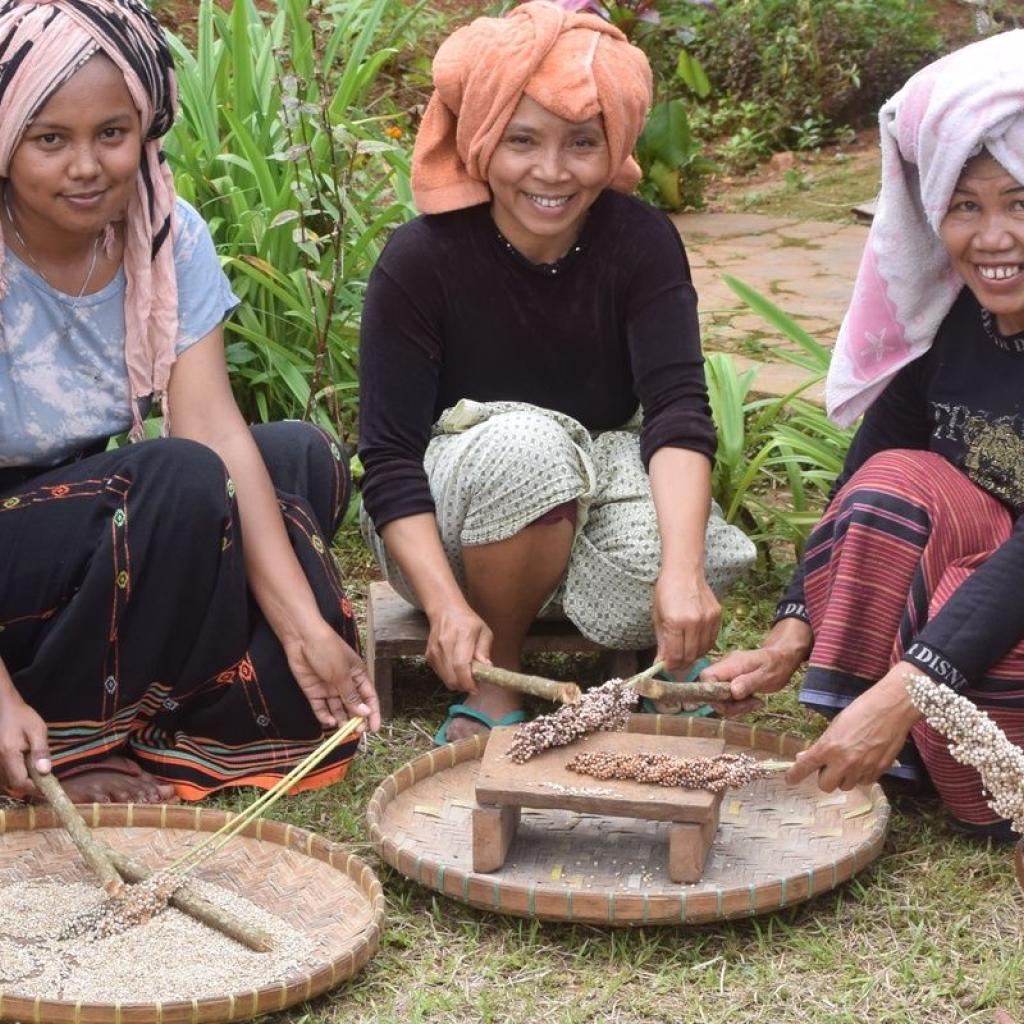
993,448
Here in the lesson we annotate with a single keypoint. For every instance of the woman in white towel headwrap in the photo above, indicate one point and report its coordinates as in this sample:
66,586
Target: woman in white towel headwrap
916,566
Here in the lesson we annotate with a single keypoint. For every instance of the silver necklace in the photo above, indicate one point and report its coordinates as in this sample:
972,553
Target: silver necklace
69,307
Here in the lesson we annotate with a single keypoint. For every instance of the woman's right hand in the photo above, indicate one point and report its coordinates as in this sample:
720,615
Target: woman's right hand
22,732
458,637
767,669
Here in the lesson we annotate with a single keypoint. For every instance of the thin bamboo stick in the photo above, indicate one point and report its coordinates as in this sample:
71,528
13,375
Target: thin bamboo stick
235,824
88,846
535,686
197,907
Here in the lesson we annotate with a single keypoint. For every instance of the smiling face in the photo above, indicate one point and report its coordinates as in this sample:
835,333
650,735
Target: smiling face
983,232
544,175
76,164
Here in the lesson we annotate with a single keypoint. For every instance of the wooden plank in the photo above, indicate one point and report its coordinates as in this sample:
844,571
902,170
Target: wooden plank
544,781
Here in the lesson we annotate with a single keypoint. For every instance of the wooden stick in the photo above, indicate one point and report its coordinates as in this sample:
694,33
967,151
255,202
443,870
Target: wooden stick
535,686
688,693
647,673
88,846
196,906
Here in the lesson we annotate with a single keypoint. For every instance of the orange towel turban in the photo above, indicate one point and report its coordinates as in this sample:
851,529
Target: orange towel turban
575,65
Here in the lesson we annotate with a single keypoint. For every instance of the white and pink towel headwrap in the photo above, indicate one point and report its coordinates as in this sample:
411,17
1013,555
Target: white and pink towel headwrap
42,44
943,116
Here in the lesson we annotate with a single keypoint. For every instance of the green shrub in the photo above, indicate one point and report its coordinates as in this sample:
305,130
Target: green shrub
777,457
299,182
809,67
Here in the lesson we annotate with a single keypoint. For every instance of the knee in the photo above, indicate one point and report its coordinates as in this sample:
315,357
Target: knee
182,478
909,470
304,460
523,445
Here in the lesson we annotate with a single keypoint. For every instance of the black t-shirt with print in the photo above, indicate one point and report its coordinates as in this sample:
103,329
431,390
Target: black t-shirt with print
964,400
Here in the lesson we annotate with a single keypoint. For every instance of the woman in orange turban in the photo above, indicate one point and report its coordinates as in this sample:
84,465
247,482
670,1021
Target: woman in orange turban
535,427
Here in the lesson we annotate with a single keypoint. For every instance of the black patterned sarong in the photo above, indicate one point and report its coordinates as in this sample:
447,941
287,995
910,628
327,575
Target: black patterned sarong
127,624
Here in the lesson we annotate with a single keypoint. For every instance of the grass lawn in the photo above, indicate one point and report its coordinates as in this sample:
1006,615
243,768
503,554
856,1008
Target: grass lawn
930,932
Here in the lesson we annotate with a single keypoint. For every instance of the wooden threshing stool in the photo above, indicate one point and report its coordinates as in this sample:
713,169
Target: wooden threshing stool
394,629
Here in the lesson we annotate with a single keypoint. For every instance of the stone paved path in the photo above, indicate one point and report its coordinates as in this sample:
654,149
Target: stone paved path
806,267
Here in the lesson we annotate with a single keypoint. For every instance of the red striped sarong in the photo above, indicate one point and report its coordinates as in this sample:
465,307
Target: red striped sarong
905,531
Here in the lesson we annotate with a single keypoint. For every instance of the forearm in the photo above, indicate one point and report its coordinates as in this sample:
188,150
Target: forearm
681,487
793,637
415,544
272,570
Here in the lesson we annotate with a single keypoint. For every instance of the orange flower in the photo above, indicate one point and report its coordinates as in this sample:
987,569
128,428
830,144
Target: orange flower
393,131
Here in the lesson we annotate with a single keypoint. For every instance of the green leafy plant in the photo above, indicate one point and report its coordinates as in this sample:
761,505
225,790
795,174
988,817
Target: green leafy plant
299,182
777,457
808,67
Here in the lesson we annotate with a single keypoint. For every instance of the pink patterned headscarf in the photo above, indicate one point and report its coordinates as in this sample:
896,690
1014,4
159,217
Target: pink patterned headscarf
944,115
42,44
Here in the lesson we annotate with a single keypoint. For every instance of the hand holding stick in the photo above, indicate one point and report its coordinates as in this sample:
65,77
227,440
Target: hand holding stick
81,835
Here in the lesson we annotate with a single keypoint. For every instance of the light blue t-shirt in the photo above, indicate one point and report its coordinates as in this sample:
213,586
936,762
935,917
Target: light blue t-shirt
63,378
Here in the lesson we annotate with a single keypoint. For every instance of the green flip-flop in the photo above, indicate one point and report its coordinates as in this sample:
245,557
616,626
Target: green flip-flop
465,711
648,707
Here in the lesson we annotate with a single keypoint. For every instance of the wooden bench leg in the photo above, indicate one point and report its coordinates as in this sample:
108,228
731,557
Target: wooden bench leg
494,828
379,666
688,848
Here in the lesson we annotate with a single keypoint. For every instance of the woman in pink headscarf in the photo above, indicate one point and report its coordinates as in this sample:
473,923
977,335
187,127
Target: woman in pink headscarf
142,654
510,337
917,564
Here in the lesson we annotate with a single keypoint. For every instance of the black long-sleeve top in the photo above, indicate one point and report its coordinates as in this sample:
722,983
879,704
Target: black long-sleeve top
964,400
453,311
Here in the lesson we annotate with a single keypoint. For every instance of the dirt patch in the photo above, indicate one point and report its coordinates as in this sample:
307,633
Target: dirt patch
823,184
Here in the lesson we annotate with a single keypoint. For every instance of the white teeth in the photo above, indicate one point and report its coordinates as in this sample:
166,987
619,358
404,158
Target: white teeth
548,201
999,273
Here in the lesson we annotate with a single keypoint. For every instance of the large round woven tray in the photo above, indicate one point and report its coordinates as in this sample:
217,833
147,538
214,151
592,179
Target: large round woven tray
776,845
316,886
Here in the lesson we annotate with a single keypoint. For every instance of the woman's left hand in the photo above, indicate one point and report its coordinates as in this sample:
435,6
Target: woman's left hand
332,676
864,739
686,618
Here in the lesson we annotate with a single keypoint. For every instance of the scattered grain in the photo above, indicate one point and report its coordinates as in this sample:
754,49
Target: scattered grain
170,957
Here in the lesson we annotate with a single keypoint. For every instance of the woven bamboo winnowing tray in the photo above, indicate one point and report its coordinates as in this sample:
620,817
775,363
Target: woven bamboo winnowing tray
315,885
776,845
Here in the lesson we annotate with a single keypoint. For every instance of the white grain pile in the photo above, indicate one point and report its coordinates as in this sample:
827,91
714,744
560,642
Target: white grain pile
170,958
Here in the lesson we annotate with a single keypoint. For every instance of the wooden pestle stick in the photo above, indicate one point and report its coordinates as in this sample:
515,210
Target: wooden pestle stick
535,686
191,903
688,693
81,835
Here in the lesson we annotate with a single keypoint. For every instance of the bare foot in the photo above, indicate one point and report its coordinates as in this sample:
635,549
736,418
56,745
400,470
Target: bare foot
116,780
492,701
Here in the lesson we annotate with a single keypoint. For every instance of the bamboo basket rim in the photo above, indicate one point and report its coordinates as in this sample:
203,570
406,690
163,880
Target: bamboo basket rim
235,1006
489,892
